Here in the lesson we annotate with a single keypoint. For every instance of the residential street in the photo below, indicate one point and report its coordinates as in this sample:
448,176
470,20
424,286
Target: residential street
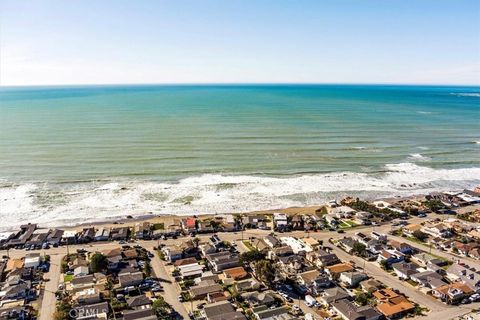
49,300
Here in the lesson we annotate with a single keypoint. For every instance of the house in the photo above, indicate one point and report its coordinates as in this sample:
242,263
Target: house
201,291
252,221
423,259
86,235
189,225
54,237
220,261
390,257
404,270
205,226
87,296
114,257
38,238
130,279
348,244
342,212
69,237
254,299
283,251
410,229
272,241
349,311
428,279
247,285
118,234
24,235
371,285
84,312
143,230
292,265
263,312
297,245
236,273
337,269
440,230
402,247
172,254
379,236
139,302
334,294
83,282
391,304
321,258
139,314
222,310
296,223
103,234
453,293
191,271
280,220
352,279
227,222
314,281
80,271
185,262
32,260
464,273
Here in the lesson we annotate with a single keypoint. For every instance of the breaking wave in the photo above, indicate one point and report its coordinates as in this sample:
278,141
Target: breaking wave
212,193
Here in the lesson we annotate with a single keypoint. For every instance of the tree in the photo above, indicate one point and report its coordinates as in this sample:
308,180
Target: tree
420,235
160,306
384,264
148,269
434,205
251,256
98,262
358,248
215,225
361,299
265,271
196,241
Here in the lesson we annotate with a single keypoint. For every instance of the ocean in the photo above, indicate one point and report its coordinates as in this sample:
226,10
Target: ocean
76,154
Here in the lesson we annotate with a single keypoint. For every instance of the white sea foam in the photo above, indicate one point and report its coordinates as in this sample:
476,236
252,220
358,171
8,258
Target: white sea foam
209,193
467,94
425,112
418,157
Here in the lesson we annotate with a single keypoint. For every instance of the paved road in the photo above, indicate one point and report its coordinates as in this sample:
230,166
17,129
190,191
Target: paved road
170,287
49,300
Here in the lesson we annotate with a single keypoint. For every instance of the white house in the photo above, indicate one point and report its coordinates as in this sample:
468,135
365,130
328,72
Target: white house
32,260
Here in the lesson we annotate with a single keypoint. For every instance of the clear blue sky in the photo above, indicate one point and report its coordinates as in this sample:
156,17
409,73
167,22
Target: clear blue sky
241,41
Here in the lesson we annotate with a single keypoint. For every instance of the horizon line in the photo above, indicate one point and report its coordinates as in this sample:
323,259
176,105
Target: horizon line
237,84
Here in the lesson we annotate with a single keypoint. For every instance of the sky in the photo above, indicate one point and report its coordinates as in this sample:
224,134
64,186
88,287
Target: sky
47,42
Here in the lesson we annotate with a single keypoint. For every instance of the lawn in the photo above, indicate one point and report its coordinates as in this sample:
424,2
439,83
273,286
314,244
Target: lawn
67,277
248,245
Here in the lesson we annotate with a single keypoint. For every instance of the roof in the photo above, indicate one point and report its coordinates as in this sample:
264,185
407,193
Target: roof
144,314
309,276
389,309
456,285
138,301
184,262
205,289
347,309
339,268
82,280
96,308
235,273
385,294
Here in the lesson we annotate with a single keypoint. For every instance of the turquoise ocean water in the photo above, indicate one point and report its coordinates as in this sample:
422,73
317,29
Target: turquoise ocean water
75,154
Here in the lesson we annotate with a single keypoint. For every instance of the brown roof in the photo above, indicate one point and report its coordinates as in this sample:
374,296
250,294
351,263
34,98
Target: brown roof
340,267
456,285
130,254
183,262
235,273
14,264
385,294
389,309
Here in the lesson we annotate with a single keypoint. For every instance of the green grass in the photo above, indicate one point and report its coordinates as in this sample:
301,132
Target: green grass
67,277
159,226
248,245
